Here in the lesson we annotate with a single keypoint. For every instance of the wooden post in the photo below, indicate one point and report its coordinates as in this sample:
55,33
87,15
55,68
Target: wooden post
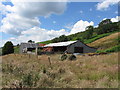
49,61
29,56
36,51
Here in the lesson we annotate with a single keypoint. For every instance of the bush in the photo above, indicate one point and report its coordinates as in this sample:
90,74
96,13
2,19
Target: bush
8,48
72,57
63,57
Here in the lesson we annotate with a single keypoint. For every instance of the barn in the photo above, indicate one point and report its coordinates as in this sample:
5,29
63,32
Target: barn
29,47
69,47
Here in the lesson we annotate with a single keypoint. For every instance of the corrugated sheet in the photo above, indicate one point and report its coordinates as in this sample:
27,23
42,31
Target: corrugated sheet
60,44
29,45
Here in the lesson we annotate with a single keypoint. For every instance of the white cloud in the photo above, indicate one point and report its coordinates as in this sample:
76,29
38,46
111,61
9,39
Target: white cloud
3,9
98,16
69,26
15,24
90,9
105,4
54,22
116,19
104,19
80,26
81,12
24,15
34,9
37,34
116,12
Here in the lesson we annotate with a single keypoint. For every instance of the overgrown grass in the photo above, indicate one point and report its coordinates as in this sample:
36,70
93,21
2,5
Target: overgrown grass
36,71
30,79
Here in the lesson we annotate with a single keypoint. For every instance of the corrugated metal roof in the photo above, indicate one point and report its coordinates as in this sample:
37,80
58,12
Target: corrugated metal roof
29,45
60,44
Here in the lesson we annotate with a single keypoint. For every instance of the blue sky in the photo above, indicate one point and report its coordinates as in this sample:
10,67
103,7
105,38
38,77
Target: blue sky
72,15
18,27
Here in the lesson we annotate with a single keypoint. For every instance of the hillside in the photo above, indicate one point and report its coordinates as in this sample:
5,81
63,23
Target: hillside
104,37
106,42
90,34
100,71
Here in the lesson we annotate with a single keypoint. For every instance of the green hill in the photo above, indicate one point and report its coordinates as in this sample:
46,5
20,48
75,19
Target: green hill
107,44
92,36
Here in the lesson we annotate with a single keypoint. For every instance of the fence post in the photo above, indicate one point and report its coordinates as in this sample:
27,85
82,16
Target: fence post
49,62
36,51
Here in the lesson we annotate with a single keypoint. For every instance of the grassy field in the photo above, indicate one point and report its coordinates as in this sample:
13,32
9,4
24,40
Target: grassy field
97,37
99,71
106,42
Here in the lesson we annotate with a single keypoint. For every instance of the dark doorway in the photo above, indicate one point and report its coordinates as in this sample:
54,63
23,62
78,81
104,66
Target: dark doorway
30,49
78,49
60,49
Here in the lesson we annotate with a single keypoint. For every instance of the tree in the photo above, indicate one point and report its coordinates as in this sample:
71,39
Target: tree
105,26
80,39
104,22
8,48
30,41
55,40
89,32
62,38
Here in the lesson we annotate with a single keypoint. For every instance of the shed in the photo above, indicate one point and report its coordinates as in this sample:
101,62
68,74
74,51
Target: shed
70,47
24,47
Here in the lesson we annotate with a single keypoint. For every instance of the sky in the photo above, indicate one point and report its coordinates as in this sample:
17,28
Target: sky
41,21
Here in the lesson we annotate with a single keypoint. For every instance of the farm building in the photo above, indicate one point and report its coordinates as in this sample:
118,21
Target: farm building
29,47
69,47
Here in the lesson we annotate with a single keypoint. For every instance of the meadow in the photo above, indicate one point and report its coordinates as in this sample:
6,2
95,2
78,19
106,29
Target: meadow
31,71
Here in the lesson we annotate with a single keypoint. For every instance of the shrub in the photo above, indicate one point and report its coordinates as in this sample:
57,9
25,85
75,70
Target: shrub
72,57
8,48
63,57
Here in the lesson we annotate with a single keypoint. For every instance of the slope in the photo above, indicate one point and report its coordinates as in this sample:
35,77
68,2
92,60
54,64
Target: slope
106,42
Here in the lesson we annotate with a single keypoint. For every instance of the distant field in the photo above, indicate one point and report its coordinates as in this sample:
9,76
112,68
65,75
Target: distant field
86,72
97,37
106,42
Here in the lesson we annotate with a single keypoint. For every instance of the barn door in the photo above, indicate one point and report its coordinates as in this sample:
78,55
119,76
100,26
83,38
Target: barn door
78,50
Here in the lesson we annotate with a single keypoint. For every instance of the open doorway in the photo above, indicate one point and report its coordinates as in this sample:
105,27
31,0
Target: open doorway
78,50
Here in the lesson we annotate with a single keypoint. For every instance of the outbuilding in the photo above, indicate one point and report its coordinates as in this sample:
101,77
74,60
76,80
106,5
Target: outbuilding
69,47
29,47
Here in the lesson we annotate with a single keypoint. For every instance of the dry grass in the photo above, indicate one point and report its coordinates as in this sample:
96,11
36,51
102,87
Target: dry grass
106,42
86,72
